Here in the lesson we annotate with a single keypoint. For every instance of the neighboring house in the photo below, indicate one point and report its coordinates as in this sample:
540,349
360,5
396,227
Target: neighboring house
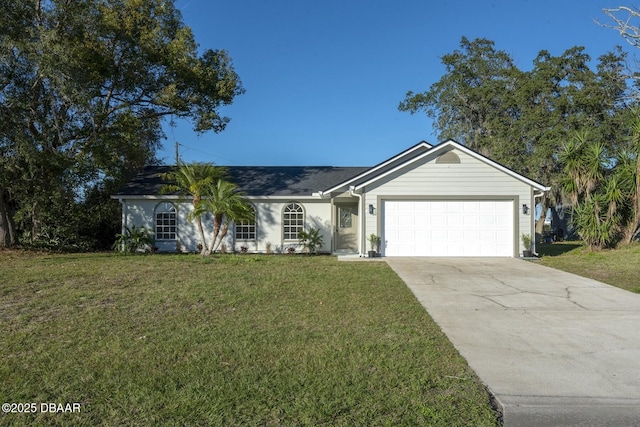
444,200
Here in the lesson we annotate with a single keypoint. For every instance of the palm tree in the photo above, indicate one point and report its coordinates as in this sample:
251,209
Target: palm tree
226,205
583,166
194,180
628,173
594,191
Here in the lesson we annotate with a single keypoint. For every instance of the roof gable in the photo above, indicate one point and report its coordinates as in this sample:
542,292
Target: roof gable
399,159
441,149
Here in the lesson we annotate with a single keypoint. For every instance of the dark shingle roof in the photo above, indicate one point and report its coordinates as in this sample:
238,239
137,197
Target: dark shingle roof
255,180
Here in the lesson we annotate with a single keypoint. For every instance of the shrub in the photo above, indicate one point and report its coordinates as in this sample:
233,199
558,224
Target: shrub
310,240
133,239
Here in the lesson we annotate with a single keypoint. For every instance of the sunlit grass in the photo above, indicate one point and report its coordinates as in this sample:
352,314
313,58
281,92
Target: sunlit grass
619,267
237,340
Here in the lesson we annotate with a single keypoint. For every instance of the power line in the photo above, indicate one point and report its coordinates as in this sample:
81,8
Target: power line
229,161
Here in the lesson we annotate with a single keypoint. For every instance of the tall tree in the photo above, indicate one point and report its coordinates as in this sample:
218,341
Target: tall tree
84,86
471,97
626,20
558,97
628,176
521,119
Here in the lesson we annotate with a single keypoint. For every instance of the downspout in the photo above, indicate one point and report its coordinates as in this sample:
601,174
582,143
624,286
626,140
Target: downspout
533,221
125,214
333,228
352,193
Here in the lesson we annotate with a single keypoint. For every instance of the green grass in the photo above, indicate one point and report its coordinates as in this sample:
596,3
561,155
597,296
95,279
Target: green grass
619,267
237,340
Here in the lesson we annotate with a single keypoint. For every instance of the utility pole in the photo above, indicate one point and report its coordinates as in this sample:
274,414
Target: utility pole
177,158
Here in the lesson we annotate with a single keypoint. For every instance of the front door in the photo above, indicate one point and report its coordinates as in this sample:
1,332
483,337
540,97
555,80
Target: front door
346,227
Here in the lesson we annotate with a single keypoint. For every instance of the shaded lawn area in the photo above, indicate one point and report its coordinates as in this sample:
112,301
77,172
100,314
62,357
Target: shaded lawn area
237,340
619,267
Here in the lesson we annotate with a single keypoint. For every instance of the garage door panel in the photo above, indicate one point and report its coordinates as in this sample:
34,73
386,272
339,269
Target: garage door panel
437,234
437,207
405,220
422,234
448,228
454,220
438,220
487,220
470,207
470,220
454,235
471,234
406,235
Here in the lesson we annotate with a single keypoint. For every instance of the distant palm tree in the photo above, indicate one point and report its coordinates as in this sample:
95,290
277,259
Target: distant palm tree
227,205
194,180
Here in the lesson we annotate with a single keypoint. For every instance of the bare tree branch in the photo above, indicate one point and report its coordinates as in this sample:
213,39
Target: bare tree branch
631,33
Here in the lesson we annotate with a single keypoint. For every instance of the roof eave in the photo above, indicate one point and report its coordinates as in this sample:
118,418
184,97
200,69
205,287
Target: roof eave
346,184
452,143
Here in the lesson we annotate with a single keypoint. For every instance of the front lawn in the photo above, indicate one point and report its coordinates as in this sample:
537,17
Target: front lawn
237,340
620,267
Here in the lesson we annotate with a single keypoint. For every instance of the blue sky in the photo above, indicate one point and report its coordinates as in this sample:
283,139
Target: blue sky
323,79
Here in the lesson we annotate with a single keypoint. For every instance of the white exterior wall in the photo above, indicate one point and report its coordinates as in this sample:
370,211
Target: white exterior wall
141,213
468,179
317,214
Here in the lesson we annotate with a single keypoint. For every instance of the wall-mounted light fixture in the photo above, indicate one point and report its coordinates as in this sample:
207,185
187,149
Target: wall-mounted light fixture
372,210
525,209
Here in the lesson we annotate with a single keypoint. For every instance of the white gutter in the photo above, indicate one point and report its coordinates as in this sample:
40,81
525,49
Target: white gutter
362,217
125,214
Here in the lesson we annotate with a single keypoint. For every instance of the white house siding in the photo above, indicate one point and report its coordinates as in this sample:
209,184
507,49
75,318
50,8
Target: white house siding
317,214
469,179
140,212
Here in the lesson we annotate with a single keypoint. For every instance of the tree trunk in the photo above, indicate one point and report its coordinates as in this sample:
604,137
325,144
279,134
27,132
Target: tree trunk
7,230
633,226
36,222
221,236
203,241
544,204
217,222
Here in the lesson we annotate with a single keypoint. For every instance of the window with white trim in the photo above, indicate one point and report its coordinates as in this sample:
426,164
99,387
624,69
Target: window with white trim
292,221
166,221
246,229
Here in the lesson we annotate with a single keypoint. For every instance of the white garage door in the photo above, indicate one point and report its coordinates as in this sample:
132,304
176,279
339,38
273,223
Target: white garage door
448,228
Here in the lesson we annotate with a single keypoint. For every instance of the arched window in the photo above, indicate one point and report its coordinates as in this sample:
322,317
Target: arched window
246,229
166,222
292,221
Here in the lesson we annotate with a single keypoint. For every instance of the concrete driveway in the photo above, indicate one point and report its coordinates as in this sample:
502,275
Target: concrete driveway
554,348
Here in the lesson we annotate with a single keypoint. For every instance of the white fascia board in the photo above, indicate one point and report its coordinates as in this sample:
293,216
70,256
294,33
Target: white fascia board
147,197
176,197
313,196
451,143
410,150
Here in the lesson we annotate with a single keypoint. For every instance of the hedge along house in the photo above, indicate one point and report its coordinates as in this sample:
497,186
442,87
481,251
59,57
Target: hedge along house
444,200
